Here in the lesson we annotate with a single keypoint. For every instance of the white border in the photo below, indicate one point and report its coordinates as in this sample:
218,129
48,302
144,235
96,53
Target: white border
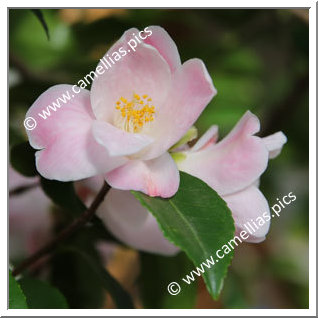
312,158
312,166
167,3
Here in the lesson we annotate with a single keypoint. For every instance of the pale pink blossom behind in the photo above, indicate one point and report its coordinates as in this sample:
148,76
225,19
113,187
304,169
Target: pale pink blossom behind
30,223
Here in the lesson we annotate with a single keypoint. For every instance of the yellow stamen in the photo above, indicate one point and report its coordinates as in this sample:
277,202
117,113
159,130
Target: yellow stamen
135,113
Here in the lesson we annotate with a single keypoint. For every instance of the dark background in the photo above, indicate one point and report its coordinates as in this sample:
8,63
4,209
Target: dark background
258,60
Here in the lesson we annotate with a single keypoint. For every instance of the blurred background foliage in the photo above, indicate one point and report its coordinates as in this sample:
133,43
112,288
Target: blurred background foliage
258,60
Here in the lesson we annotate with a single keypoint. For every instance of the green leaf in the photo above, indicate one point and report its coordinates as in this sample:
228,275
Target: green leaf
16,297
167,269
40,295
63,194
23,159
198,221
119,295
75,278
29,43
39,15
234,293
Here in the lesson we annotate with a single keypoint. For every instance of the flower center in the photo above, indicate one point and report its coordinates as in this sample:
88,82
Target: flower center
135,113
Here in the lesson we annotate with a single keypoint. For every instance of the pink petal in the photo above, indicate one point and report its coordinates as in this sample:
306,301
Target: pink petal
162,41
274,143
157,177
208,138
69,150
232,164
132,224
118,142
250,205
191,90
142,72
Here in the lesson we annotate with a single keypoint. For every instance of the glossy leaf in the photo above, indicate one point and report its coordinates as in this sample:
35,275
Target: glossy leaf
17,299
40,295
198,221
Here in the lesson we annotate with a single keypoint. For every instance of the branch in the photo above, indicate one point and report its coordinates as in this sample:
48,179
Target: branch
66,233
22,189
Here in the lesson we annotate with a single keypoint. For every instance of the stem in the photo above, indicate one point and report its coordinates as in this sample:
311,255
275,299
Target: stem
66,233
21,189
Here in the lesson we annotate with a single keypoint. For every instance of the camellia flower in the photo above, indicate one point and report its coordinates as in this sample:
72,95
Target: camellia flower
124,127
231,167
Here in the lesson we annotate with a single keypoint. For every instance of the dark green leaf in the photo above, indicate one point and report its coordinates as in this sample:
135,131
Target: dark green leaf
40,295
167,269
63,194
15,136
234,293
119,295
16,297
23,160
39,15
198,221
44,60
75,278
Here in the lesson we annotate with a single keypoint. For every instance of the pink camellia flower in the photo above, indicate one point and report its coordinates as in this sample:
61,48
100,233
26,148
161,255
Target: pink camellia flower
122,129
232,168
